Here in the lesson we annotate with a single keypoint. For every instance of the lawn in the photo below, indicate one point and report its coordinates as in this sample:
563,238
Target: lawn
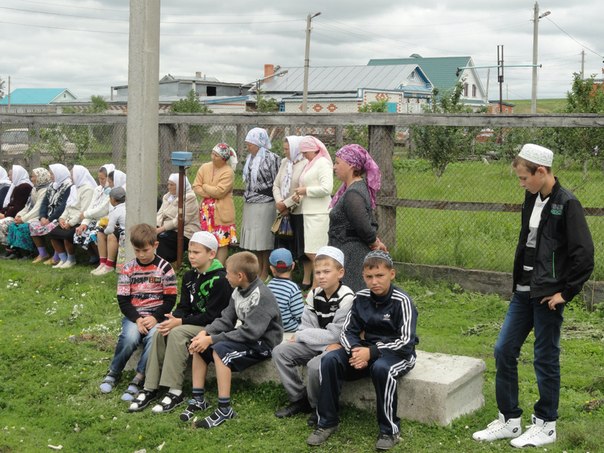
59,329
544,106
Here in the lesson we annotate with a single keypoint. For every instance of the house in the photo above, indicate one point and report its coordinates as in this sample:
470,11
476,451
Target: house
343,89
506,107
37,100
444,74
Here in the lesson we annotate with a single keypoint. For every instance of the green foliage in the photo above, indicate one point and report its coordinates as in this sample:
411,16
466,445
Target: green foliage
98,105
443,145
265,104
360,134
373,107
191,104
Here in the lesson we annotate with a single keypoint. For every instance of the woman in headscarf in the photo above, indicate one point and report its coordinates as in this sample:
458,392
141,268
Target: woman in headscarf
15,199
352,226
259,174
19,239
314,194
53,205
5,183
62,236
284,192
167,219
99,207
214,184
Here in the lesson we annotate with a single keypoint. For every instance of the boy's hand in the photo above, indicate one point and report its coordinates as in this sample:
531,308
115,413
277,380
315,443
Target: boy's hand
333,347
149,322
292,339
359,358
141,327
554,300
200,343
170,323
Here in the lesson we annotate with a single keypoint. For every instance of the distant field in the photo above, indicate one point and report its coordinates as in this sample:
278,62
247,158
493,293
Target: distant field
543,105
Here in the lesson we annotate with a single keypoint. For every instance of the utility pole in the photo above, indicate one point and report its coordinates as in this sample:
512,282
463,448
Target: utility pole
500,75
307,61
582,64
536,18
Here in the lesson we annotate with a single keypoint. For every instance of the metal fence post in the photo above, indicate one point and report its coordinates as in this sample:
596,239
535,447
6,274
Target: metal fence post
381,148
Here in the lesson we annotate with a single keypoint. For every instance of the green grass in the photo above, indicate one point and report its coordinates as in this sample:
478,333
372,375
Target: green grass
59,330
543,105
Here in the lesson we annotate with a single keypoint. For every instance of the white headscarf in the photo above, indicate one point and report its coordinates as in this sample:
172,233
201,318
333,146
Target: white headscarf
259,137
174,178
19,176
119,179
82,177
108,169
60,173
294,156
4,179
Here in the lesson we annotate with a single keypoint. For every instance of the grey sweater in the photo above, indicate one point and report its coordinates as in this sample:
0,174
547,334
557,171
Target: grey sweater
257,309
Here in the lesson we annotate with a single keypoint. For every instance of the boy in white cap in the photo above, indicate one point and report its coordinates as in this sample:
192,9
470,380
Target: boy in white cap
554,258
319,332
205,292
287,293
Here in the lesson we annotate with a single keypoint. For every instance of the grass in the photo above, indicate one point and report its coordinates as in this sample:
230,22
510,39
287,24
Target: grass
59,330
543,105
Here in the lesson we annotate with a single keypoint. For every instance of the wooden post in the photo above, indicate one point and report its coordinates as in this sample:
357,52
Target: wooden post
180,236
381,148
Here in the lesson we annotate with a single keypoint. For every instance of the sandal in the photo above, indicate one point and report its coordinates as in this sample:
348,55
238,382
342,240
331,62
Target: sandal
142,400
132,390
194,406
168,403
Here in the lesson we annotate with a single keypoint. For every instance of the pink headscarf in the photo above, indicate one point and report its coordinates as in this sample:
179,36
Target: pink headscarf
358,157
310,144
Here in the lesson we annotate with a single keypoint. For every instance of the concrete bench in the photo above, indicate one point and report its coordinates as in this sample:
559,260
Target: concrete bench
438,390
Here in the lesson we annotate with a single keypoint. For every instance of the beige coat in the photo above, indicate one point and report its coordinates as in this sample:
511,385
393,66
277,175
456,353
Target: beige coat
167,216
217,183
287,197
318,181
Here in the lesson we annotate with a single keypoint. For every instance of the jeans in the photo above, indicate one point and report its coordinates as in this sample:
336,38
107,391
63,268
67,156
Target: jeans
128,341
525,314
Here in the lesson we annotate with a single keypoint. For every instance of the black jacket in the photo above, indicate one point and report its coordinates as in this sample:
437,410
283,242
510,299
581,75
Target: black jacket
564,253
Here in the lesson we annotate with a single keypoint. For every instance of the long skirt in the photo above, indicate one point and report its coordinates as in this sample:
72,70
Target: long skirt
19,237
225,234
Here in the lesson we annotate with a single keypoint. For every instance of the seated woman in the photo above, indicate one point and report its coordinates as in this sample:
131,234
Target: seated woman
62,236
14,201
352,225
5,183
214,184
167,219
18,237
52,207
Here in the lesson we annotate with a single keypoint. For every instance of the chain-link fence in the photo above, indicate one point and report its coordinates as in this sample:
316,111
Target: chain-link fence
465,217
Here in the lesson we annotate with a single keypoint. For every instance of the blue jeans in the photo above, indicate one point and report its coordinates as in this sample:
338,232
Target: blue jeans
128,341
525,314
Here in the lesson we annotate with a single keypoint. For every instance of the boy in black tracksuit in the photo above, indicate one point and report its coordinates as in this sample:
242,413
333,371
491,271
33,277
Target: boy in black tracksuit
378,339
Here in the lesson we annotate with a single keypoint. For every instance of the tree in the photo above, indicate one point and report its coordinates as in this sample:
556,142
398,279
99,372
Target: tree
264,104
442,145
190,104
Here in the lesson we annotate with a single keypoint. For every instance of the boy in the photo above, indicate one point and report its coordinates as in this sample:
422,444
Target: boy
287,293
378,339
205,292
108,239
232,347
554,258
324,314
146,291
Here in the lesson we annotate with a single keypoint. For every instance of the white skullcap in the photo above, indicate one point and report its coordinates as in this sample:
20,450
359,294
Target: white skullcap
537,154
332,252
205,238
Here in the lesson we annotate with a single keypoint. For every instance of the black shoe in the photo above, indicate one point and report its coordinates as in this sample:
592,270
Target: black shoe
297,407
305,286
313,420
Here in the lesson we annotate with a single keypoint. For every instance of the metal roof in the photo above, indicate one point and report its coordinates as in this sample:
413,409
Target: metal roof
341,79
37,96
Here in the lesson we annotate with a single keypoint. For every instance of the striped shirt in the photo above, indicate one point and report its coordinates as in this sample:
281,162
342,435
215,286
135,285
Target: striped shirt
289,299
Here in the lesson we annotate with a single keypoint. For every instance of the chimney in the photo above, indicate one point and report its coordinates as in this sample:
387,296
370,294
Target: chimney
198,75
269,71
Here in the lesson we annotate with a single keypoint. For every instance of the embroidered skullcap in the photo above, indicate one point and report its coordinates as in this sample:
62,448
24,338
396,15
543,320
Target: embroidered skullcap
537,154
380,255
331,252
206,239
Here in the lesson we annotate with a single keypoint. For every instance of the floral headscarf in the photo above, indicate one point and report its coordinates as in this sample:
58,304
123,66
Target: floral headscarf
358,157
227,153
42,177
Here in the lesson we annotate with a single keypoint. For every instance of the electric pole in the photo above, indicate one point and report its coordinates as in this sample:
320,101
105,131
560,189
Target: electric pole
536,18
307,61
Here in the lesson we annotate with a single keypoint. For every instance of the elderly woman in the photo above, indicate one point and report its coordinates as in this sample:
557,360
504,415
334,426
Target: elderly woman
5,183
167,219
352,227
314,192
259,174
19,239
14,201
214,184
284,192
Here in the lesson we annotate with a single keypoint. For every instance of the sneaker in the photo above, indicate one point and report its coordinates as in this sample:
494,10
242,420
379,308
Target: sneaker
387,441
96,269
320,435
216,418
51,262
168,403
499,429
538,434
58,265
297,407
67,264
108,383
39,259
132,390
104,270
193,406
142,400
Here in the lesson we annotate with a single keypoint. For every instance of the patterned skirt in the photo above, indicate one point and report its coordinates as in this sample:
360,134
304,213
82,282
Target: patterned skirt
4,224
225,234
37,229
19,237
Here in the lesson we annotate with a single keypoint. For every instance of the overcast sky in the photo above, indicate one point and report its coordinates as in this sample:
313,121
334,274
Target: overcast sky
83,44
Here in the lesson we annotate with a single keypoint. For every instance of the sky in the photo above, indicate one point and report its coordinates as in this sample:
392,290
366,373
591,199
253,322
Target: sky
82,45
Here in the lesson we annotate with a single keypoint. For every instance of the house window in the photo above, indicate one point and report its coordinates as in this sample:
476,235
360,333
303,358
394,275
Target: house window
210,91
473,90
465,89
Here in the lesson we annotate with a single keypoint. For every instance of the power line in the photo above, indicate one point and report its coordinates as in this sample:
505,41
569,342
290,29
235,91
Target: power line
573,38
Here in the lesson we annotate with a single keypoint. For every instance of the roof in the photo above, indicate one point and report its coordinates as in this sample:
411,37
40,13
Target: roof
37,96
341,79
440,70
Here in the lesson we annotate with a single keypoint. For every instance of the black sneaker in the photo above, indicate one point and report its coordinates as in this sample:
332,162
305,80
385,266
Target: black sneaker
194,406
168,403
142,400
387,441
297,407
216,418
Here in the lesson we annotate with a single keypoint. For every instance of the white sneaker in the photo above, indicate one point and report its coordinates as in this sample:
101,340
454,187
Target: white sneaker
104,271
59,265
97,269
500,429
537,434
68,264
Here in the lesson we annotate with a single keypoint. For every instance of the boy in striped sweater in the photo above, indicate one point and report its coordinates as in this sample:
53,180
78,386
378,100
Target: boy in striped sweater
287,293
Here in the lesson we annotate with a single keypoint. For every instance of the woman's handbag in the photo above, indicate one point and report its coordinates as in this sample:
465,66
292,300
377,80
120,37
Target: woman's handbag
282,226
